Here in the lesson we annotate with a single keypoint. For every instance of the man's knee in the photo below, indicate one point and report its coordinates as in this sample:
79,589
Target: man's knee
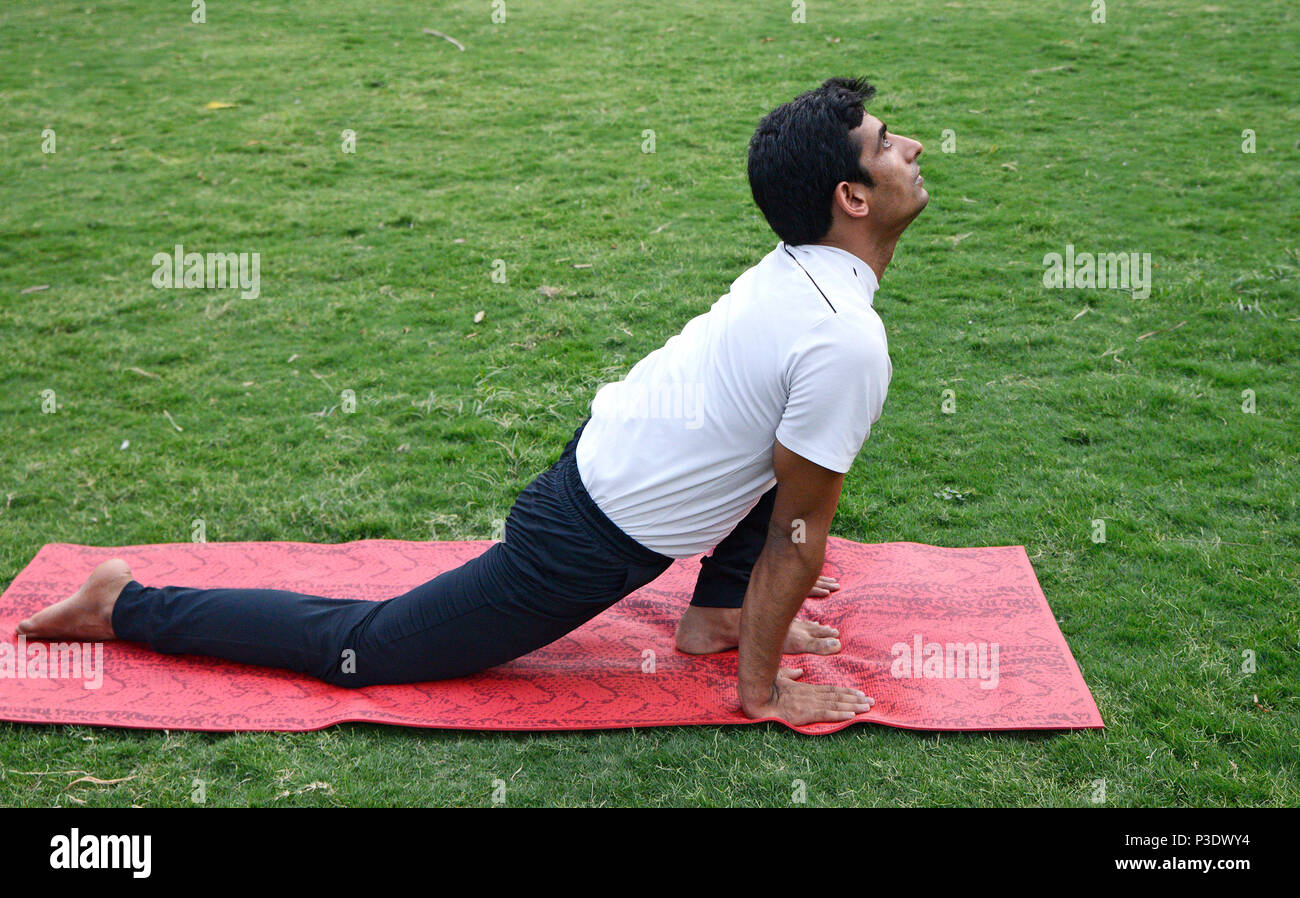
345,668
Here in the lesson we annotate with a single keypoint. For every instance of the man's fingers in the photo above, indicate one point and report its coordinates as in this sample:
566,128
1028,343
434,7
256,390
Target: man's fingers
850,696
852,699
837,698
829,710
824,587
846,706
836,690
802,703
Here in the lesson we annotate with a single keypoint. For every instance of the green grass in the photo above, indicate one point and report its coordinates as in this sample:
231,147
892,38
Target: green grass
526,147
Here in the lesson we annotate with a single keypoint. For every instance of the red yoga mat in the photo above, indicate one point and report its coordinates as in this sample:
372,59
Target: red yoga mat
943,639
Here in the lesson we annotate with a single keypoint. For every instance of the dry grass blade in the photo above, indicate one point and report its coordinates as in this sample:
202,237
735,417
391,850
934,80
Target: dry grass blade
1162,330
96,781
446,37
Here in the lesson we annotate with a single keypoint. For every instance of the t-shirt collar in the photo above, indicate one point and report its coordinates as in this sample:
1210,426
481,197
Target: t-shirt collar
840,260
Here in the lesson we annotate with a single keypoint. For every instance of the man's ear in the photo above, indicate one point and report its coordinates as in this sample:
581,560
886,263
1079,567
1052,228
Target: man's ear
852,199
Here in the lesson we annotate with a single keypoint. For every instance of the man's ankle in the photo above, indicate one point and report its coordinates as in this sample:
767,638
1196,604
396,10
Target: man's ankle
703,630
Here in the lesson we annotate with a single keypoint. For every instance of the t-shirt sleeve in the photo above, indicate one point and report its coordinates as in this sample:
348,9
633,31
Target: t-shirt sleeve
838,380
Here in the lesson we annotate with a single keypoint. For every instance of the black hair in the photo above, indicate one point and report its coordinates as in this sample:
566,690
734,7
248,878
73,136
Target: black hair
801,150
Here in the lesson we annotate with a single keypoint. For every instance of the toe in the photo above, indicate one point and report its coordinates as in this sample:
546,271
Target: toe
827,646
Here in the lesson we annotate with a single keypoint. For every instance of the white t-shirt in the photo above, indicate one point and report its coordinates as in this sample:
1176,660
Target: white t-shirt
680,450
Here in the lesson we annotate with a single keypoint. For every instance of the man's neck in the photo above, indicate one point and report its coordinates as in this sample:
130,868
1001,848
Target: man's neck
874,249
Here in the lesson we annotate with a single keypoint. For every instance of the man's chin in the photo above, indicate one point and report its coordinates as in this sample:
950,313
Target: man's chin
922,201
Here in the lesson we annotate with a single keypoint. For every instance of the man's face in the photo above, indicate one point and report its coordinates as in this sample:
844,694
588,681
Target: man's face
892,161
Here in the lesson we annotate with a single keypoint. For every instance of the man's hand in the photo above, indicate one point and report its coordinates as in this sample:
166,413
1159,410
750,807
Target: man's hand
800,703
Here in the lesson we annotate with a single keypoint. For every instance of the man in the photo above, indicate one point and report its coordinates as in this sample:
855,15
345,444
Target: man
783,377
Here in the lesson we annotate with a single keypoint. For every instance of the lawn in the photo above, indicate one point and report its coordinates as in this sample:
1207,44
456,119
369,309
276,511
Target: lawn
522,156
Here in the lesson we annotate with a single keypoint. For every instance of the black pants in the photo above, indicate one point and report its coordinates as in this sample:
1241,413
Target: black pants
561,563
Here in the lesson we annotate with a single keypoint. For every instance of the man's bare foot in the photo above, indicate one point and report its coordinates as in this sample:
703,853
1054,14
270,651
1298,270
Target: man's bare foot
703,631
85,615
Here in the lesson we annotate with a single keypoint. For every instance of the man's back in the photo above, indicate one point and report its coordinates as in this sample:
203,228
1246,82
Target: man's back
679,451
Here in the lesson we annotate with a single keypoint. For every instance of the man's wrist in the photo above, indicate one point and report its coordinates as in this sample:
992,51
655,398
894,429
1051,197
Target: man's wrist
756,695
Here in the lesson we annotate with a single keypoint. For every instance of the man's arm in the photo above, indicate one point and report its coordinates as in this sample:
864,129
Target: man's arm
784,574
